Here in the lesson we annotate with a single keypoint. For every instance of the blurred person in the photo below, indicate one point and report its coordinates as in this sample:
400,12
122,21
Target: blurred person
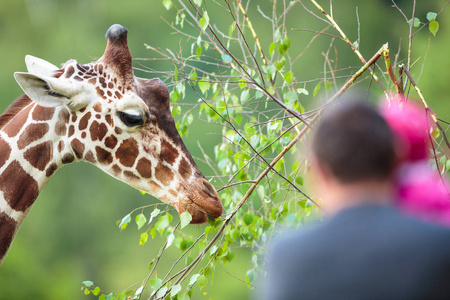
365,249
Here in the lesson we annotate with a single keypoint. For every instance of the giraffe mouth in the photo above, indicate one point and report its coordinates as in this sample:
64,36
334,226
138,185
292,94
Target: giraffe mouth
204,205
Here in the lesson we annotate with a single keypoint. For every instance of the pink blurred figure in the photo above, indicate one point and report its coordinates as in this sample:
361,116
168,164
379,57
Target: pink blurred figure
420,190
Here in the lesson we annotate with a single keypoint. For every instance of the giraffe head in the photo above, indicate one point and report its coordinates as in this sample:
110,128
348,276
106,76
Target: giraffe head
105,115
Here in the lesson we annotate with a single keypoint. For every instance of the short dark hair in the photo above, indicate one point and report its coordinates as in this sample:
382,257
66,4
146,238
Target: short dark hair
354,141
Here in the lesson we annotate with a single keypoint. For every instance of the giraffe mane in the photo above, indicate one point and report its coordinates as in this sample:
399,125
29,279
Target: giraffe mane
12,110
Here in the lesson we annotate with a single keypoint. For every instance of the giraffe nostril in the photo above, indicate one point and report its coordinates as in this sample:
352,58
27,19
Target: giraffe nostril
209,189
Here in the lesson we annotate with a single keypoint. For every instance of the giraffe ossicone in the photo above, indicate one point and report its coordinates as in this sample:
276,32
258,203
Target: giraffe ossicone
103,114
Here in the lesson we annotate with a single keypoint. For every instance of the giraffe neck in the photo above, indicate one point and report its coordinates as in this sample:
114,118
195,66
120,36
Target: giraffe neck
30,152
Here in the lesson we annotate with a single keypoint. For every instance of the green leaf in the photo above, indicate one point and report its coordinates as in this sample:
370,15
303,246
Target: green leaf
254,140
242,83
183,296
288,77
204,21
143,238
245,95
170,240
431,16
231,29
204,84
185,219
155,283
416,22
140,220
250,276
87,292
139,291
96,291
202,281
167,4
433,27
316,89
272,47
226,58
175,290
193,279
248,218
303,91
284,46
235,233
154,213
161,292
124,223
299,180
88,283
163,223
153,232
271,70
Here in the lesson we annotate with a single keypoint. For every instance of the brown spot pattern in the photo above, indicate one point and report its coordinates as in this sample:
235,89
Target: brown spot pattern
100,92
163,174
63,119
68,158
116,170
185,169
51,169
89,156
109,120
103,156
71,130
144,167
5,152
40,155
41,113
168,152
111,141
13,127
117,130
70,72
154,186
84,121
32,133
61,146
7,231
98,131
77,147
97,107
130,175
118,95
127,152
18,187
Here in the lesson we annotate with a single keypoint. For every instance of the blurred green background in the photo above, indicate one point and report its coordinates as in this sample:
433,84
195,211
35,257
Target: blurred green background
71,235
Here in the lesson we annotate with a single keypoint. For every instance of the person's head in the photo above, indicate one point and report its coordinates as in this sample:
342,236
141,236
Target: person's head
353,153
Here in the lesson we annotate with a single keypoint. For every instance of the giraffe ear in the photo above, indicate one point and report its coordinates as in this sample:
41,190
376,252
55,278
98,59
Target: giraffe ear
48,91
39,66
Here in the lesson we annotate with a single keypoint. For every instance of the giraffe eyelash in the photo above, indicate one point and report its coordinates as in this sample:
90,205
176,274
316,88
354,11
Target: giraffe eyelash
52,92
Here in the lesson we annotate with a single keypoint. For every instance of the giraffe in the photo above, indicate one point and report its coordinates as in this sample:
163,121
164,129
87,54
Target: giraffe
103,114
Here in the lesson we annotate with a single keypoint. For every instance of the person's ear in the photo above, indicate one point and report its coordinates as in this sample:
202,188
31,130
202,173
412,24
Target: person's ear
321,172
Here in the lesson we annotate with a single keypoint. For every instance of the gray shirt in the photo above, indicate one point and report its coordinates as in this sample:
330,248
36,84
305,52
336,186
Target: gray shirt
366,252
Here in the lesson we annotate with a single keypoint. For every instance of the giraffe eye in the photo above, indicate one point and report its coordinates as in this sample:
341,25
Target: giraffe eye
130,120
